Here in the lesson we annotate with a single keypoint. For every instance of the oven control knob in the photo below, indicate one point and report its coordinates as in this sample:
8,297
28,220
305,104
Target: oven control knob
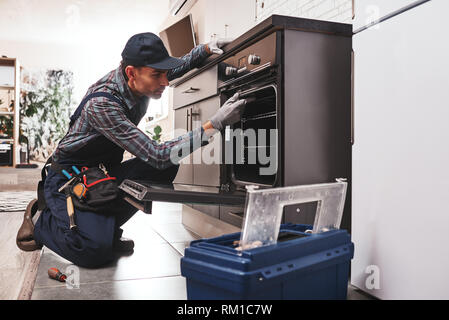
253,59
230,71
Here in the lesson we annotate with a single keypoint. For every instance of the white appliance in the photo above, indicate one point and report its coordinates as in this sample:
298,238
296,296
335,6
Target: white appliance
180,6
400,207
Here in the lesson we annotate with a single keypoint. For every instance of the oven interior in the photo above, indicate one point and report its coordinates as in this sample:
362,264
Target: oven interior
258,149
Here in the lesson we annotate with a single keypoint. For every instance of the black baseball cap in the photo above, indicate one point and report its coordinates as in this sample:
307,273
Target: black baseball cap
147,49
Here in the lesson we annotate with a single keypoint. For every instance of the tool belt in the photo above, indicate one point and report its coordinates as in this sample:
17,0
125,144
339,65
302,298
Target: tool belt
91,188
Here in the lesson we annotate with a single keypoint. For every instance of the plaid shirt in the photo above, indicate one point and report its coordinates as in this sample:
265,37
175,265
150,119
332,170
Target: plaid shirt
101,116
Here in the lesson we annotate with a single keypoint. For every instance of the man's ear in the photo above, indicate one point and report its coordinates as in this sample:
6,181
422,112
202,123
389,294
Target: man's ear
130,72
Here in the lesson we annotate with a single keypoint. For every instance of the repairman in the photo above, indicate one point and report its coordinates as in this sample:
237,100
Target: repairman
102,128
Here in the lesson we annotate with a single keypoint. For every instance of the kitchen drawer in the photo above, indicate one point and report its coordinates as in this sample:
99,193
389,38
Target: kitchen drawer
232,215
200,87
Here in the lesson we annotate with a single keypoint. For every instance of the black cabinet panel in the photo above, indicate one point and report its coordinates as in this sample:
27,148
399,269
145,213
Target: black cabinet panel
303,213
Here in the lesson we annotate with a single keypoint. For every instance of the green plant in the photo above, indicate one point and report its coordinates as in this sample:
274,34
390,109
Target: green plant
45,110
156,134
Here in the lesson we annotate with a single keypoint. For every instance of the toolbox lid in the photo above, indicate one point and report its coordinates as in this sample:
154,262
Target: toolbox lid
264,208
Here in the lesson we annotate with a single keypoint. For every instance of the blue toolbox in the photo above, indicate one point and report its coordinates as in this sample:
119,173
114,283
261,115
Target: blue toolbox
270,260
299,265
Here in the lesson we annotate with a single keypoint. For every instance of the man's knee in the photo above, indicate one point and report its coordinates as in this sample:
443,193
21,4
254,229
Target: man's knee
89,253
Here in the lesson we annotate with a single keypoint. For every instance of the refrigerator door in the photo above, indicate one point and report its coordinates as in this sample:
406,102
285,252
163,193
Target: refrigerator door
401,156
366,11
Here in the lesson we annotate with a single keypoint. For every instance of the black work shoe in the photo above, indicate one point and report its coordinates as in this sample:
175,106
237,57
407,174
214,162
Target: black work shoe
25,236
123,245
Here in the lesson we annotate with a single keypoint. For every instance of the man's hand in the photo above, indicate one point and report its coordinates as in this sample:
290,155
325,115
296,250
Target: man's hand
215,45
229,113
208,126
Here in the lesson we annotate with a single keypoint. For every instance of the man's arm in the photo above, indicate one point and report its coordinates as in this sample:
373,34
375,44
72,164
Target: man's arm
110,120
192,60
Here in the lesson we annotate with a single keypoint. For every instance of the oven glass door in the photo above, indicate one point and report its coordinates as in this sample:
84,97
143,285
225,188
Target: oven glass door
254,140
144,191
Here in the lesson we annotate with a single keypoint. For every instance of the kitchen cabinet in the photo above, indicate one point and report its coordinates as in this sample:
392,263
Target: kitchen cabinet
200,87
401,155
196,171
206,160
195,101
202,166
222,19
182,125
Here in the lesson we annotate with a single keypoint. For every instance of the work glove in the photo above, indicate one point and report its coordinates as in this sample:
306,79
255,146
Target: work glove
215,45
229,113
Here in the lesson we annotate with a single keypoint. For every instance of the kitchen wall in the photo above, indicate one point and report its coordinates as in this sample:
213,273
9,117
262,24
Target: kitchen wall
231,18
85,37
331,10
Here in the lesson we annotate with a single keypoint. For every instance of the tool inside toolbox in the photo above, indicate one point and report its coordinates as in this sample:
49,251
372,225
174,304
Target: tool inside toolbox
282,237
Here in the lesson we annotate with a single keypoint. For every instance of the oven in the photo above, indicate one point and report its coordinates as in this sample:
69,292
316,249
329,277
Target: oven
252,147
296,127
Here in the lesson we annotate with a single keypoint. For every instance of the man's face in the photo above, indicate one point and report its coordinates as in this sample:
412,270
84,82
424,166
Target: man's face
147,81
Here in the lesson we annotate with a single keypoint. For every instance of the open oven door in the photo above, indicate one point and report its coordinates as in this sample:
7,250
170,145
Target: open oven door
141,194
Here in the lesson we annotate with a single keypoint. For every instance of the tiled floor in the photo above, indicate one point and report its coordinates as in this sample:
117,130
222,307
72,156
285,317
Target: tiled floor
151,272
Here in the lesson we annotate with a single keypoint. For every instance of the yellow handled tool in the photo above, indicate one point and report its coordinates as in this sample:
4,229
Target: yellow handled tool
70,208
70,211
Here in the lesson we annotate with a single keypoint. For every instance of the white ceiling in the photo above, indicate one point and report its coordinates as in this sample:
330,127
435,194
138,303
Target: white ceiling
79,21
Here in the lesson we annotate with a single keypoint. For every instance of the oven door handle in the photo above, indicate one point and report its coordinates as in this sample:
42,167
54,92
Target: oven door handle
249,91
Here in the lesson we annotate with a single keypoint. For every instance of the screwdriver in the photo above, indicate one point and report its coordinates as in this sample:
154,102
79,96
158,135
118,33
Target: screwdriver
54,273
